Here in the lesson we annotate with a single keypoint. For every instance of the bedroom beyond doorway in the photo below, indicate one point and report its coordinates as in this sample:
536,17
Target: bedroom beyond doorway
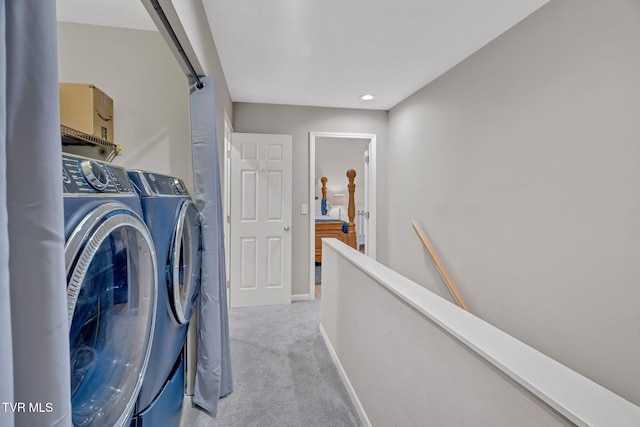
342,193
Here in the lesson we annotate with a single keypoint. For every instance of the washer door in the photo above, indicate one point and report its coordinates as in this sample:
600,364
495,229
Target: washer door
111,300
183,279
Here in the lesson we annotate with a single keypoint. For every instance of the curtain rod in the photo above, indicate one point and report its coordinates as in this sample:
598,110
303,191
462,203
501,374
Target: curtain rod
176,42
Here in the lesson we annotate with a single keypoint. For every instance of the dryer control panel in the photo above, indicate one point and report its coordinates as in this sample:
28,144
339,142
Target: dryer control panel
86,176
165,185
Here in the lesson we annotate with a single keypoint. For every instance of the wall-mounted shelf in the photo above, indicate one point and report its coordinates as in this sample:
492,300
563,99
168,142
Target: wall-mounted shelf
83,144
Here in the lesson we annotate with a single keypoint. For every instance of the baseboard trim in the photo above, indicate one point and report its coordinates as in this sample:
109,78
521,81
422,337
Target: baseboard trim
300,297
345,379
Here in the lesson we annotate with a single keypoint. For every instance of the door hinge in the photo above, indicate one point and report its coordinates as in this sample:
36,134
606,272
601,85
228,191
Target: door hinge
228,284
229,153
366,215
228,219
366,158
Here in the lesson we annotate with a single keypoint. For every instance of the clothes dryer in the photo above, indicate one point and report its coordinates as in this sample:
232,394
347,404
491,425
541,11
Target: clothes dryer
111,291
174,223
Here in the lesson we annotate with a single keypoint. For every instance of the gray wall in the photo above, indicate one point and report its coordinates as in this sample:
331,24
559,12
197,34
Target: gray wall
521,164
149,91
298,122
333,158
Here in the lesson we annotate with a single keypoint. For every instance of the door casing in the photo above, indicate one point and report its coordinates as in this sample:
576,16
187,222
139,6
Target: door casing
370,195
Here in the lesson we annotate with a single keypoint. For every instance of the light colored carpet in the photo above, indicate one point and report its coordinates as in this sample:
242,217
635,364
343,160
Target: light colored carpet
283,374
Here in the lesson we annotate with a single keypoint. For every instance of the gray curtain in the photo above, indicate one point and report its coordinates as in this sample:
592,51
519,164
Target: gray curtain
213,366
6,355
34,337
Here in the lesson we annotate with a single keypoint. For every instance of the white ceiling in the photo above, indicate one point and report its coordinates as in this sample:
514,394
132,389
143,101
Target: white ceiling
330,52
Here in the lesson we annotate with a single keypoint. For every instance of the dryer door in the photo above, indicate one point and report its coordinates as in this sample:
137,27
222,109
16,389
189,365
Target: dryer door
111,299
184,263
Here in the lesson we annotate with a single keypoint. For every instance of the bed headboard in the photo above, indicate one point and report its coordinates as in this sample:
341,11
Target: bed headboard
324,180
351,207
351,211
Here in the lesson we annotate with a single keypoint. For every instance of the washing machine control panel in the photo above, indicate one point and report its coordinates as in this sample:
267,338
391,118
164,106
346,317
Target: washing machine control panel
95,174
84,176
165,185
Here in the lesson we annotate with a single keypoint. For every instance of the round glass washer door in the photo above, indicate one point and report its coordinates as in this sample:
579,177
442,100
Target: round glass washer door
183,279
111,301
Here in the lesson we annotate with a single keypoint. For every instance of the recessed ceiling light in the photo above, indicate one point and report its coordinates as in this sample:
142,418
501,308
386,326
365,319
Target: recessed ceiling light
367,97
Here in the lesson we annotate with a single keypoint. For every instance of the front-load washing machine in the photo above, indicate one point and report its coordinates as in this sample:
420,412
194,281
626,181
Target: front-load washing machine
174,223
111,291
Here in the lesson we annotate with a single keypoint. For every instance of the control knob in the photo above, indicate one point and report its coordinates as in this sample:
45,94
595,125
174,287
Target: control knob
179,186
95,174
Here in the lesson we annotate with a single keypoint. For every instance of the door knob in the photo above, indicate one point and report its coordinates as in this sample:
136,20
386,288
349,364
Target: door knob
287,228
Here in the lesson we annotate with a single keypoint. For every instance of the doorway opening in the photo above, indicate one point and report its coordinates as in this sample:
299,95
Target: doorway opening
330,156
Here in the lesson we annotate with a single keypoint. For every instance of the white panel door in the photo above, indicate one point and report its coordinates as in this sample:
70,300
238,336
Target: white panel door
260,219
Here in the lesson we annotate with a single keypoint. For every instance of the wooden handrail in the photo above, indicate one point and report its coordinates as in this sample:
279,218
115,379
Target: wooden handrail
442,270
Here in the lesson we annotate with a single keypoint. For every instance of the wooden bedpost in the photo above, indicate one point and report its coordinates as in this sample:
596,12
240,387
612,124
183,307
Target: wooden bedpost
351,226
324,180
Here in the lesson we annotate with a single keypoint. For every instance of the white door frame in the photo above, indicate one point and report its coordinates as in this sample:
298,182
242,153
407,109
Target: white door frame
226,202
370,196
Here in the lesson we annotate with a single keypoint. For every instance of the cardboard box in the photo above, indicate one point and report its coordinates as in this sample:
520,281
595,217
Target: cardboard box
86,108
